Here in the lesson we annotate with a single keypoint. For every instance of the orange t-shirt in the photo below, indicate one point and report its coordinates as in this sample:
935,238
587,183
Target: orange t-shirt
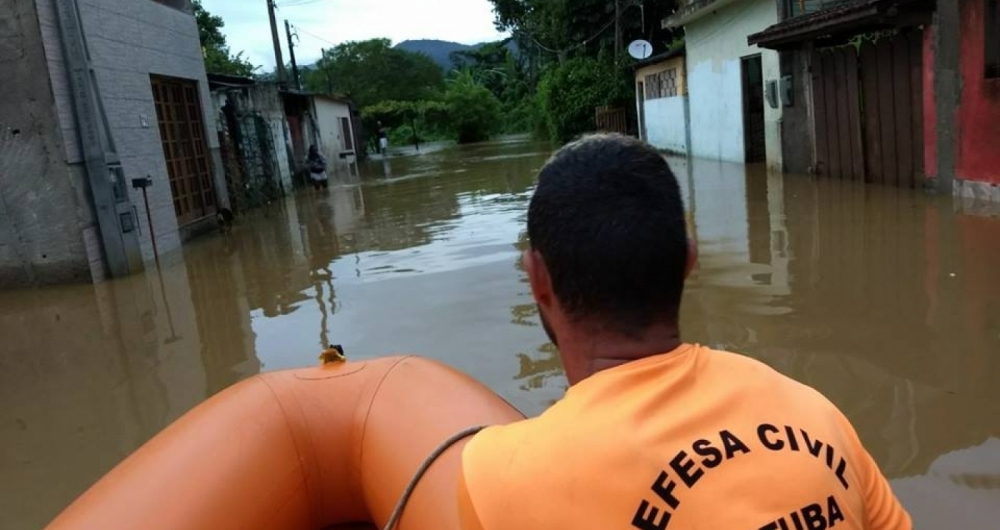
691,439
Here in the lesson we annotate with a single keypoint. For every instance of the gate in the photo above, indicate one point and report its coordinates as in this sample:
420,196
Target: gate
182,133
868,110
611,120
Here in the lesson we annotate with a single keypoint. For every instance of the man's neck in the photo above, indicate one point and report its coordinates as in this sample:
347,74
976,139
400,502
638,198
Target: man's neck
585,355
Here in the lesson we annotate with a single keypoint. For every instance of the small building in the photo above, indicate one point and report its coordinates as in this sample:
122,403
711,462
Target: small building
338,138
732,117
105,155
265,133
662,102
253,128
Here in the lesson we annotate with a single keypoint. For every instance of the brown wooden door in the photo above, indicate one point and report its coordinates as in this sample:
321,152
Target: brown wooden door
868,109
892,77
837,107
182,133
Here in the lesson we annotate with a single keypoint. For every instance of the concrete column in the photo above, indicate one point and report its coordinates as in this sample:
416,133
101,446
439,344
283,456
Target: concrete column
947,87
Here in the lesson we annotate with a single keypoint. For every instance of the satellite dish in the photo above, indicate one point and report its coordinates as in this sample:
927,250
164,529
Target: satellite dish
640,49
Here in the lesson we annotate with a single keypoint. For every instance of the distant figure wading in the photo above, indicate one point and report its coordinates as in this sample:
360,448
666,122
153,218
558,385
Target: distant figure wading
654,433
317,168
383,140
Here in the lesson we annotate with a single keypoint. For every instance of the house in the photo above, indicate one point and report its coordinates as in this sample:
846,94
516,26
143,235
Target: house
265,132
338,137
106,159
901,92
661,101
732,117
254,129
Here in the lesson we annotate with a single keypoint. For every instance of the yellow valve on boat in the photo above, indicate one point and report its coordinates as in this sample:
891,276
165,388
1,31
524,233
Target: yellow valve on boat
333,354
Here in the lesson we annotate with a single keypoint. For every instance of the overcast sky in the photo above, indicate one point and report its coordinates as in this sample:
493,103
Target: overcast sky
322,22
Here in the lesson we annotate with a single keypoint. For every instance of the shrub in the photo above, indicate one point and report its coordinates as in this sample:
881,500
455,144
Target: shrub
473,111
569,95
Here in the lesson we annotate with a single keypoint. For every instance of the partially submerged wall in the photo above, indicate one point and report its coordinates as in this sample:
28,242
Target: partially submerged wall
715,44
128,42
46,222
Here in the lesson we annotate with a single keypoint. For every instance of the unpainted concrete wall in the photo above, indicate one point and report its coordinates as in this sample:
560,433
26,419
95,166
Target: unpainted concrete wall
263,101
44,208
798,144
128,42
715,44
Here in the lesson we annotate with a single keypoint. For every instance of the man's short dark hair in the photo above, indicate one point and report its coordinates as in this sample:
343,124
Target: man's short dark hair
608,219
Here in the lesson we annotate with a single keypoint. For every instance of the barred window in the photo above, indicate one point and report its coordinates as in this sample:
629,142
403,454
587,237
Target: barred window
662,84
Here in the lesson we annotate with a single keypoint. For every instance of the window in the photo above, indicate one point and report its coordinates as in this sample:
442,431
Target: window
992,38
345,131
662,84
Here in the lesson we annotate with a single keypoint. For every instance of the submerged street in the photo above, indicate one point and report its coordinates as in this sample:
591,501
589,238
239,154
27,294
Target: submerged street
883,299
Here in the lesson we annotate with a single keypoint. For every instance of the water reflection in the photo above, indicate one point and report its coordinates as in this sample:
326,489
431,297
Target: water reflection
883,299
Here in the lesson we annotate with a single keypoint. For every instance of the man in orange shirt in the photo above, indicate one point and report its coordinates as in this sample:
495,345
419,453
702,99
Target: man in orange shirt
654,434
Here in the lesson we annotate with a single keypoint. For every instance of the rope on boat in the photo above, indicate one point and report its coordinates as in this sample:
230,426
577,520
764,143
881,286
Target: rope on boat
408,492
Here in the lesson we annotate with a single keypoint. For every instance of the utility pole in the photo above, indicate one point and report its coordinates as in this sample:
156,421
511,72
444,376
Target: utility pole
291,52
277,42
618,29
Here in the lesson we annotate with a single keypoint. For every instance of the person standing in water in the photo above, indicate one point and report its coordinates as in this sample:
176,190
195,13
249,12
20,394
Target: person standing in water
317,169
383,140
654,433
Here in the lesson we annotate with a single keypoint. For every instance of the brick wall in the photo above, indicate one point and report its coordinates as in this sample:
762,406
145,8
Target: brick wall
129,41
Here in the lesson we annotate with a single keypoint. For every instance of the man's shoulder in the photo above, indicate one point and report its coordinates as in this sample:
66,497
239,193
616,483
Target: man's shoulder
746,370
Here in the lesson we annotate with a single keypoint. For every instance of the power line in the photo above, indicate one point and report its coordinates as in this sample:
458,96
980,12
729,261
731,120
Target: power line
317,37
571,48
298,3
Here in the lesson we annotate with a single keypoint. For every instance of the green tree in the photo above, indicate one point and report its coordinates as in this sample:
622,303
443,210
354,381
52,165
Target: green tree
473,110
569,94
373,71
582,27
218,57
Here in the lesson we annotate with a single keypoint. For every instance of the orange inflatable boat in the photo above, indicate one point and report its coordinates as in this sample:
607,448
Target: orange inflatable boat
327,447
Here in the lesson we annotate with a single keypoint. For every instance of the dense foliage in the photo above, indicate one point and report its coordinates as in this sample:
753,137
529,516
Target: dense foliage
570,62
473,111
559,65
569,94
373,71
218,58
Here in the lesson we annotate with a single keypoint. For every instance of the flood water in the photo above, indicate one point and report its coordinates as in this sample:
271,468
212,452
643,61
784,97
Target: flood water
883,299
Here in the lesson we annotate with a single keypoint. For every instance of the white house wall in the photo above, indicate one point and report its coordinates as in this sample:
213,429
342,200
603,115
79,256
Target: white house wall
666,124
715,44
328,116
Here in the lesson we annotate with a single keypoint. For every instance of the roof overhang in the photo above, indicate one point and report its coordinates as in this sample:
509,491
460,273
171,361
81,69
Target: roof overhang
656,59
692,10
839,24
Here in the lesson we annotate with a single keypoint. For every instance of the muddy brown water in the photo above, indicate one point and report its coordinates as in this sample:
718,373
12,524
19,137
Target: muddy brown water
883,299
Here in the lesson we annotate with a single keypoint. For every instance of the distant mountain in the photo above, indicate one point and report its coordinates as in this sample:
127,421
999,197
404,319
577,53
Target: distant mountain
441,50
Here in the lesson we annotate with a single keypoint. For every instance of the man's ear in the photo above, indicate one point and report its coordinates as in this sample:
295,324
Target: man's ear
692,257
538,277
